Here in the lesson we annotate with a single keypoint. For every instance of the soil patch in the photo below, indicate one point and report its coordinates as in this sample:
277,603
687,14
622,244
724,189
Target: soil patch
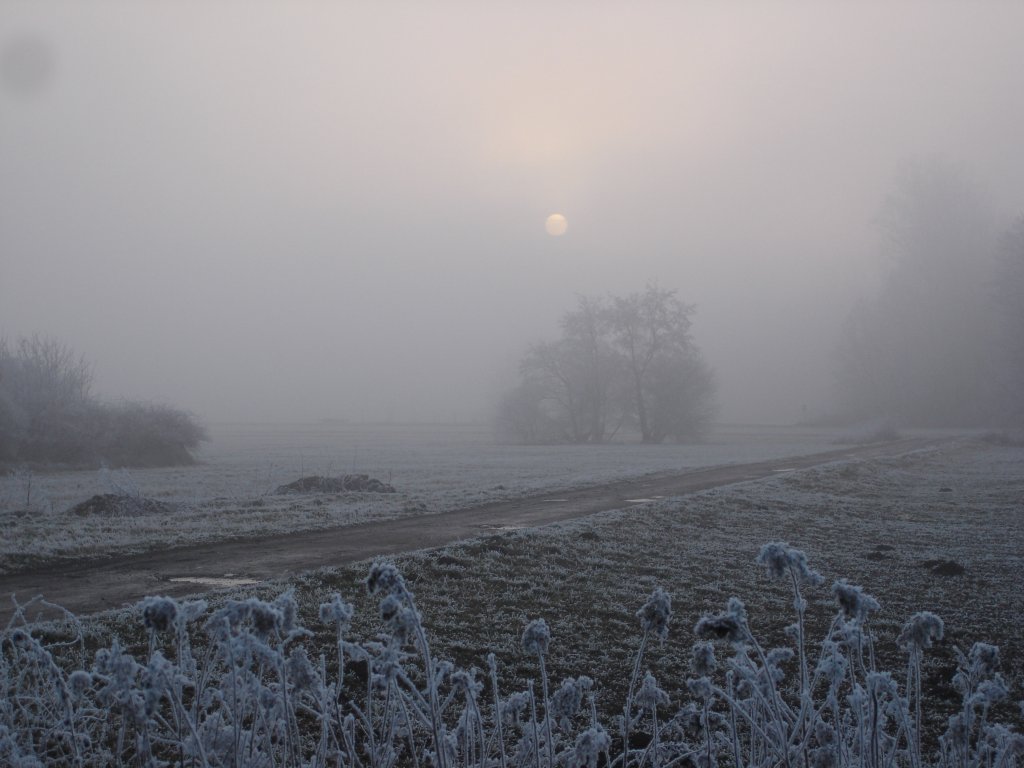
118,505
341,484
944,567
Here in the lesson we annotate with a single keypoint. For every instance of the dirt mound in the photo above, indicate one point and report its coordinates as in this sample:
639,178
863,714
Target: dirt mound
342,484
119,505
944,567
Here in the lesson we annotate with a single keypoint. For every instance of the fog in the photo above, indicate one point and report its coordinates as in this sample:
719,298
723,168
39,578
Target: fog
283,211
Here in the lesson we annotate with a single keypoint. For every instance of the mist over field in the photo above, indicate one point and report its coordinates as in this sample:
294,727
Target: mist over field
269,211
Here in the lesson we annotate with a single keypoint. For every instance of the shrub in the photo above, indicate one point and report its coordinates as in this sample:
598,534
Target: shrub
250,688
145,435
48,415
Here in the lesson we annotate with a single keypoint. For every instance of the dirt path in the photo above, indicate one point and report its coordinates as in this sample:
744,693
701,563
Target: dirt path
96,585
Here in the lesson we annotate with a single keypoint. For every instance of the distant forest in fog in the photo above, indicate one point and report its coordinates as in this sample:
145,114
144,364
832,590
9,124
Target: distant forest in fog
942,342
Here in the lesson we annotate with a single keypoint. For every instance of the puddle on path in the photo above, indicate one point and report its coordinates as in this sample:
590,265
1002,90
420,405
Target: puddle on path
215,582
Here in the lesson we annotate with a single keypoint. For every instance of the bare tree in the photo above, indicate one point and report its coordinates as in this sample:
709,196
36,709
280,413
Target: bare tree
618,359
585,331
650,330
42,370
552,371
522,417
575,377
681,397
47,389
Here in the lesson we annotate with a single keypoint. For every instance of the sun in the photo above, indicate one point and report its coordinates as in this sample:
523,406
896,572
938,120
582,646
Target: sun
556,225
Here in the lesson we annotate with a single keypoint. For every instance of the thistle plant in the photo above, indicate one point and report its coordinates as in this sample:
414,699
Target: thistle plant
247,684
654,616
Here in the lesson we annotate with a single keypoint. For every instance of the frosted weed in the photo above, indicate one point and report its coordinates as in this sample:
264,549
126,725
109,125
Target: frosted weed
260,691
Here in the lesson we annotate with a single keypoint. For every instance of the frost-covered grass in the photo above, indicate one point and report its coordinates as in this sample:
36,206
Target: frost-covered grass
248,685
434,468
876,522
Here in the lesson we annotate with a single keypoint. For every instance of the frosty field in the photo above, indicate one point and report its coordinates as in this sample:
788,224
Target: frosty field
937,530
230,493
888,525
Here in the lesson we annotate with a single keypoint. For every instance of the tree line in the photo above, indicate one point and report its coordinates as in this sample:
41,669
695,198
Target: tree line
941,344
49,415
620,362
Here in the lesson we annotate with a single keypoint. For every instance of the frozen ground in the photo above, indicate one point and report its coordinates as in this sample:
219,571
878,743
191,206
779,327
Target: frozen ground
230,493
889,524
880,523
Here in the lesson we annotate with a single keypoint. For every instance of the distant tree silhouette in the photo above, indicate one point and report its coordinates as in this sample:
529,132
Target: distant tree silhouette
920,351
1009,305
620,360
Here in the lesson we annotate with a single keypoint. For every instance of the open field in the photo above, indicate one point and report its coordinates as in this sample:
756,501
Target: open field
937,529
882,524
434,468
88,585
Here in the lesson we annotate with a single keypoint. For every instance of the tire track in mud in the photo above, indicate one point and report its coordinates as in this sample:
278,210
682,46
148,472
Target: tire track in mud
91,586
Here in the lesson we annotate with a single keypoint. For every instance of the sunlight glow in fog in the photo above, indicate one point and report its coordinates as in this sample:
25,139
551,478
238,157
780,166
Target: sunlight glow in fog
556,225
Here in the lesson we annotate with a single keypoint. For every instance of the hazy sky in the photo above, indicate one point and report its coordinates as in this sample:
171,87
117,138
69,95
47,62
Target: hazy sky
297,210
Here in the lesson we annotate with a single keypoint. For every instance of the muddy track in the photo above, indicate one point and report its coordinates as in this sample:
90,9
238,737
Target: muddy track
90,586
